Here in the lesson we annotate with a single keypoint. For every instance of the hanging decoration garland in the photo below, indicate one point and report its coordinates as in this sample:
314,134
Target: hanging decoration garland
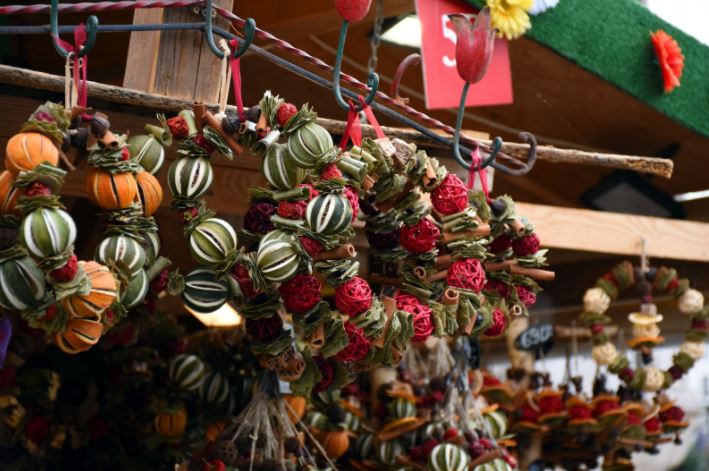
73,301
665,280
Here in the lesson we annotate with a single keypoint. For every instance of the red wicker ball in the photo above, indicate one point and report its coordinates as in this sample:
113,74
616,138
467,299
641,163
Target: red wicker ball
301,293
358,346
354,296
451,196
421,237
467,273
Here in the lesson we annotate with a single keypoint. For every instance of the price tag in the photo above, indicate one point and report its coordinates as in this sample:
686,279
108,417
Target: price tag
442,82
538,339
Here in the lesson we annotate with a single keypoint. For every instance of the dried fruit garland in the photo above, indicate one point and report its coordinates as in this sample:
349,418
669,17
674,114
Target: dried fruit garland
646,331
295,243
41,276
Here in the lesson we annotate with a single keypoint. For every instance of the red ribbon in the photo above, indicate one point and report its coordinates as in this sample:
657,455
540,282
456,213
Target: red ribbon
80,65
235,65
353,129
481,172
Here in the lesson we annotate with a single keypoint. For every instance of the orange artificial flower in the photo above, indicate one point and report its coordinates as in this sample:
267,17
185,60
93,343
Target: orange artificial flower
670,57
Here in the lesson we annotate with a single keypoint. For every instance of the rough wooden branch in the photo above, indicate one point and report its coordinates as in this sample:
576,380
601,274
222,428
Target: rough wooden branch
43,81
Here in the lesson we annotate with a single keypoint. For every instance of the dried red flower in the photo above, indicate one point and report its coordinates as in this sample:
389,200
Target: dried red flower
313,192
499,323
526,296
285,112
353,198
178,127
674,414
38,189
580,412
327,371
354,296
43,116
330,172
125,153
202,141
527,245
188,215
241,274
676,372
266,329
358,346
292,209
653,424
66,272
421,237
497,286
500,243
383,240
474,46
451,196
670,57
301,293
159,283
551,403
466,273
528,414
37,429
258,217
312,246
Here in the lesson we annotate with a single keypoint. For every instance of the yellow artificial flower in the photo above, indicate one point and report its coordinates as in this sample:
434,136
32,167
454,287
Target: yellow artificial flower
510,17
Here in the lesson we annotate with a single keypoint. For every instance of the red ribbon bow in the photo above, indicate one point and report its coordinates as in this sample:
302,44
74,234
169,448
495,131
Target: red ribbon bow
80,65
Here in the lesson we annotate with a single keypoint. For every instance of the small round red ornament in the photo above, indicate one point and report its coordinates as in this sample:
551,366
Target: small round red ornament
354,296
358,346
467,273
499,322
421,237
451,196
527,245
301,293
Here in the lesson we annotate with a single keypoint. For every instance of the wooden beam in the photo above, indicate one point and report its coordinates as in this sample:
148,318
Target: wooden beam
43,81
616,233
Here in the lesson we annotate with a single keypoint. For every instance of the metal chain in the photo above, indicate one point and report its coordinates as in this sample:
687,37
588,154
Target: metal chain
376,36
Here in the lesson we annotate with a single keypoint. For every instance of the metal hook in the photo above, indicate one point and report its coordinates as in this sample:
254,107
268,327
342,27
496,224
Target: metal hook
494,149
372,79
245,42
91,31
411,59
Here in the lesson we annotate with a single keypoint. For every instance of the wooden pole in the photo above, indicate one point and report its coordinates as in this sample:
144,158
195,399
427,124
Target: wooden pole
43,81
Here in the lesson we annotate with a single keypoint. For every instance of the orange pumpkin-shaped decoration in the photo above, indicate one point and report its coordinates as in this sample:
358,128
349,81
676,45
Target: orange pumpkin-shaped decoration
8,194
27,150
79,335
211,433
295,407
149,192
111,191
335,442
101,296
171,423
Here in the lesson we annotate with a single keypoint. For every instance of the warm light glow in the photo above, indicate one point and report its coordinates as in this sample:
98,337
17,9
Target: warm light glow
406,32
225,316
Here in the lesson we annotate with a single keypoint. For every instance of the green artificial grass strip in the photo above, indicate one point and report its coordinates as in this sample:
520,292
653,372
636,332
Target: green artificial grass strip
611,38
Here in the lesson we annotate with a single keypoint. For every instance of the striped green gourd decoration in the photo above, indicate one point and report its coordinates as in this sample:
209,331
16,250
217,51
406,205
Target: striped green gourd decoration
190,177
315,420
329,213
150,240
279,168
21,284
448,457
494,465
402,408
47,232
351,422
277,257
388,451
308,144
123,249
497,421
214,389
212,240
187,372
147,151
365,445
204,293
433,430
136,290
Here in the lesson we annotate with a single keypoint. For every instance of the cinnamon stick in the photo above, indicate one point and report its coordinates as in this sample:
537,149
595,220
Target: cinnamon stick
261,124
450,297
216,124
533,273
368,182
481,231
486,458
318,338
341,252
438,276
389,308
199,109
384,280
109,139
443,262
420,272
517,226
